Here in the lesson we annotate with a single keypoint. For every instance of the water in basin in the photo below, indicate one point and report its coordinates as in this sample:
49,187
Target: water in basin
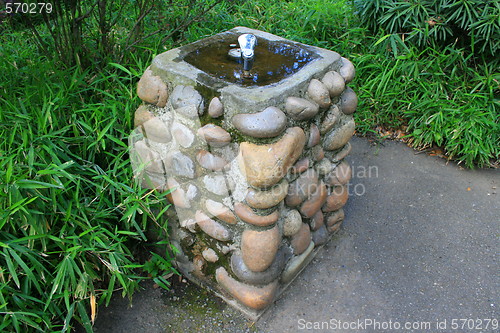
274,61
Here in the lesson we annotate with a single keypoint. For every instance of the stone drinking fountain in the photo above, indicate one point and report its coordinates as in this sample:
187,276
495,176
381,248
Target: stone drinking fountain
253,151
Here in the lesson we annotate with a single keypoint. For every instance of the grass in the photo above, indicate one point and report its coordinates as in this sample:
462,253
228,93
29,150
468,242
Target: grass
72,219
73,222
437,97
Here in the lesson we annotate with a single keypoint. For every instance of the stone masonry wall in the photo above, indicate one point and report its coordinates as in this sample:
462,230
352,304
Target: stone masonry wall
254,193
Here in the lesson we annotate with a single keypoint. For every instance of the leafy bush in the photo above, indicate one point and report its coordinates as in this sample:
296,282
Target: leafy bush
432,66
438,96
93,33
468,23
72,221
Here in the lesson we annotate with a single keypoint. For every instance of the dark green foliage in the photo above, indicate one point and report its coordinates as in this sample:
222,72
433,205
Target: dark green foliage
92,33
442,99
72,220
474,24
433,66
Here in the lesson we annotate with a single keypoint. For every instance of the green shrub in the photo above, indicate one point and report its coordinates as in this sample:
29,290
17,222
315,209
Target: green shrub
324,23
467,23
441,99
92,33
71,217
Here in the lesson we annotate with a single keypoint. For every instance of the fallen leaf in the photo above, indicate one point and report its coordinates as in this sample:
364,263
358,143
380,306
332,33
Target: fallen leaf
92,308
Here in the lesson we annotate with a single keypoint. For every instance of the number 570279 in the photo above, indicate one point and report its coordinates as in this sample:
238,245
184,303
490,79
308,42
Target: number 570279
474,324
28,8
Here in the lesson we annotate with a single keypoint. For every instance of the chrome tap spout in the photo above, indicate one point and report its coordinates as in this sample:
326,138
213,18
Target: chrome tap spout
247,44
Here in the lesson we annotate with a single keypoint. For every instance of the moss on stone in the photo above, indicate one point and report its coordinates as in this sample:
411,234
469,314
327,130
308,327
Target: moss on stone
204,241
236,136
205,119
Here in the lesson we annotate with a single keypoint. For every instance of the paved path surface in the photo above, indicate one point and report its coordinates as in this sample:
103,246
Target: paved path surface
419,245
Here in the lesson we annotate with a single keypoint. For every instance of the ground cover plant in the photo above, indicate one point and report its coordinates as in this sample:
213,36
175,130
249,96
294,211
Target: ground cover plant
73,223
434,71
71,217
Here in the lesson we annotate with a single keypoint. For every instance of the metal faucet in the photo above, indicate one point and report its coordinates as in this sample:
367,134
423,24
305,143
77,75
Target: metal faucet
247,44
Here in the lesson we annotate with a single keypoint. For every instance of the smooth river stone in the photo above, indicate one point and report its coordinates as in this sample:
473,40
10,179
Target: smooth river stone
220,211
141,115
317,221
247,215
337,199
319,93
339,156
334,82
210,255
242,272
148,158
335,218
324,167
334,228
340,136
178,164
210,161
292,223
215,108
198,266
347,70
258,248
300,109
156,130
320,236
317,153
300,189
215,135
267,199
178,196
212,228
348,101
183,135
265,124
152,89
314,136
296,264
330,119
256,298
187,101
301,240
265,165
300,166
315,201
340,175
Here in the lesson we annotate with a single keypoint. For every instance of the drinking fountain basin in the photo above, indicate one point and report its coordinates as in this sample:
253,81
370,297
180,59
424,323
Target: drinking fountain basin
256,166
